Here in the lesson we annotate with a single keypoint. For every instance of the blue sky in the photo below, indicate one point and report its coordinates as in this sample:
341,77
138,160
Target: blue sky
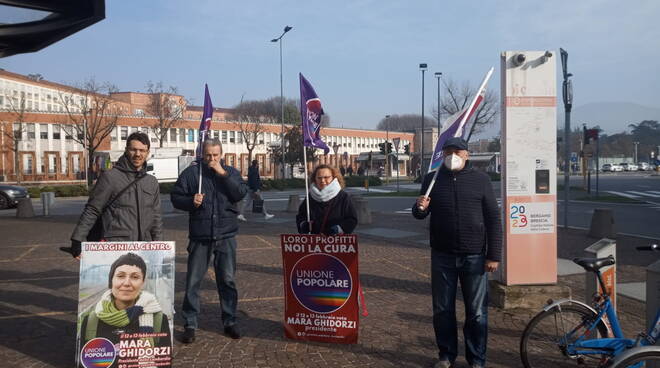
361,56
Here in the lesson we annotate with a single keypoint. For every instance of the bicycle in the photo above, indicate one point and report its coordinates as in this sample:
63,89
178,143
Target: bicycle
637,357
569,332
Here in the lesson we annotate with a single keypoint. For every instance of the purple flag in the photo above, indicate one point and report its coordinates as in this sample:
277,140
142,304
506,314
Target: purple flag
205,124
311,112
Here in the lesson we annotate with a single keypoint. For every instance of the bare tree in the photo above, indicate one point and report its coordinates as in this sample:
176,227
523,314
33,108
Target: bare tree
14,128
166,107
92,116
250,118
456,98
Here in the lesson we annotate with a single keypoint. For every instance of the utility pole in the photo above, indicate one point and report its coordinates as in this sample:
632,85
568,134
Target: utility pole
567,92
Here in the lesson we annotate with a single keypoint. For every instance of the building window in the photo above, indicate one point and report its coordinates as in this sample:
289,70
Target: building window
172,135
123,133
232,137
27,164
76,164
51,164
224,136
139,112
182,135
43,131
57,131
113,135
191,135
30,131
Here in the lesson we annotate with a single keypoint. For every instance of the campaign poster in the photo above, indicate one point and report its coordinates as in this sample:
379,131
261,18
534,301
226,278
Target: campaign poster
321,284
125,305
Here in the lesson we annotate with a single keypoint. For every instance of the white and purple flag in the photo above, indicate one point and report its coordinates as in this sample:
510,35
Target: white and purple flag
311,113
205,124
454,127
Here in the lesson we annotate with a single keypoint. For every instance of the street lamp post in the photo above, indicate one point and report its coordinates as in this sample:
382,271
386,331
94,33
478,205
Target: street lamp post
636,159
423,68
438,75
387,153
567,92
279,39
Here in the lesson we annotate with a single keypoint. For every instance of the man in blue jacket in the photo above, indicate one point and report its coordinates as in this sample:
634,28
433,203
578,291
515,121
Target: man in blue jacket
212,231
466,244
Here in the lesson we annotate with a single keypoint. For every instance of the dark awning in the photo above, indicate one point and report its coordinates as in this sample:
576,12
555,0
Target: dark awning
65,18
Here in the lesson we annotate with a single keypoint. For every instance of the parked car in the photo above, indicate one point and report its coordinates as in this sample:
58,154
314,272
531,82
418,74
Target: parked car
624,165
644,166
10,194
616,168
632,167
606,168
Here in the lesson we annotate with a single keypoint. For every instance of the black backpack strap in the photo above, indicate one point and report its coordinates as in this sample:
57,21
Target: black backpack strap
113,199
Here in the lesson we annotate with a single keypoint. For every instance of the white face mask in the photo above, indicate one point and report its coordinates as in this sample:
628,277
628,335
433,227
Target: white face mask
454,162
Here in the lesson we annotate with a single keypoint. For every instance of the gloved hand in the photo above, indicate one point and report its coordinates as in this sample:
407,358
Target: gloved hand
335,229
304,227
74,249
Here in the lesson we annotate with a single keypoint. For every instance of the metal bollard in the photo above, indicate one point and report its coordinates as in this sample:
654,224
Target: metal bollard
602,224
294,203
362,208
652,295
24,208
601,249
47,200
45,206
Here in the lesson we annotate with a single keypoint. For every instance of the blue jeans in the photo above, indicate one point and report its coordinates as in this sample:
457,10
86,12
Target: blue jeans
446,271
224,265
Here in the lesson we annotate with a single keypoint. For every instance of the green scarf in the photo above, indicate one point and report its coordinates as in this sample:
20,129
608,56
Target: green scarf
112,316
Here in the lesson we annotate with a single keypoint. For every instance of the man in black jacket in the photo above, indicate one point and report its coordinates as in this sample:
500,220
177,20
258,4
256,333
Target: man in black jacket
134,214
466,244
212,231
254,186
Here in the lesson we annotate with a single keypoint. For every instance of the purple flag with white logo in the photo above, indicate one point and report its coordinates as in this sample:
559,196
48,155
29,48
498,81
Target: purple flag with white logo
205,124
311,113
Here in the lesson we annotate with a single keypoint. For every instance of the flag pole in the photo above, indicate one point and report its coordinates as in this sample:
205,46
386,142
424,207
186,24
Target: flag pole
460,126
306,186
201,148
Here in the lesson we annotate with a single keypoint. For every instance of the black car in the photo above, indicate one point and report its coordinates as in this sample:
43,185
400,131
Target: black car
10,194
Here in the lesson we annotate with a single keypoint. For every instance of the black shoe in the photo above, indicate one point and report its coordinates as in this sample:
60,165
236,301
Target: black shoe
188,336
232,331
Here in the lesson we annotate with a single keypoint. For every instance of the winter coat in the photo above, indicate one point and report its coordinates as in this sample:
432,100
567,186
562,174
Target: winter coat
133,216
465,218
215,219
254,180
340,211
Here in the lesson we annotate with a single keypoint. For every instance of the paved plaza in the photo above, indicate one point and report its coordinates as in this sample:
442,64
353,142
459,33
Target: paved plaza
39,288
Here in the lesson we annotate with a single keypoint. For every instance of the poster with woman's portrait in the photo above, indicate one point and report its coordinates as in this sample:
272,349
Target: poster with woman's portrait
125,305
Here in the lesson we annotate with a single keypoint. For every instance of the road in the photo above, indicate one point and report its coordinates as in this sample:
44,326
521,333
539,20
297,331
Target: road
635,219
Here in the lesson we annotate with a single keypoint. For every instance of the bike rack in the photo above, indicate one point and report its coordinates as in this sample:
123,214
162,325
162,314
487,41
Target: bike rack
601,249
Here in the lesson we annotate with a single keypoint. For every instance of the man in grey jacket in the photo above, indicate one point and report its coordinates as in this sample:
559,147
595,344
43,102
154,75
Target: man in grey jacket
134,214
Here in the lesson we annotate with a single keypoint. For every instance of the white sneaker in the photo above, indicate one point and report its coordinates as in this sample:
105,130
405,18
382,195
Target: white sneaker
241,218
442,364
268,216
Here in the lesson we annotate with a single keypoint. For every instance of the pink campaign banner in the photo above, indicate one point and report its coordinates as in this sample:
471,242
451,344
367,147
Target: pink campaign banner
321,283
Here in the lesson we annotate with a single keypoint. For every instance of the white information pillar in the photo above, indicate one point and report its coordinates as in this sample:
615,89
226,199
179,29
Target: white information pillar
529,152
601,249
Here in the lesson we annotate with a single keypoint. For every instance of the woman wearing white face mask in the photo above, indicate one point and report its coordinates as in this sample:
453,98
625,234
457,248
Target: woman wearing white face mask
330,207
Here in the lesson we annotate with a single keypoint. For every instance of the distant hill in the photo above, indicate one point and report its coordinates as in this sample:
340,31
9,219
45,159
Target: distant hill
612,117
